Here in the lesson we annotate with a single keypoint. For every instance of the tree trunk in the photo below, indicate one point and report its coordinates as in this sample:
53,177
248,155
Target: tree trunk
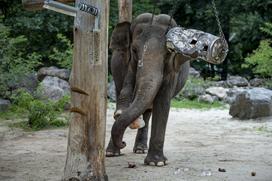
85,150
125,10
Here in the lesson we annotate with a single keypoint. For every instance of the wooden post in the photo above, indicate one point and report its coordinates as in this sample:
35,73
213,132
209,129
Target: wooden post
85,152
125,10
88,80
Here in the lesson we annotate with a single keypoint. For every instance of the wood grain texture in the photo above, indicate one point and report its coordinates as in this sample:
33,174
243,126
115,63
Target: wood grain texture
85,150
33,5
125,10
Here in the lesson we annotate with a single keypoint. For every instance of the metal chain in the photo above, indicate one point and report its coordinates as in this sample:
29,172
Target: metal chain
218,21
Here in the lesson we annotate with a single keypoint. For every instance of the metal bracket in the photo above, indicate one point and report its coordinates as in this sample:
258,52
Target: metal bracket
72,11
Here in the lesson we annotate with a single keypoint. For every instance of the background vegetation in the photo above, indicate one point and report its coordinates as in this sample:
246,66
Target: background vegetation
30,40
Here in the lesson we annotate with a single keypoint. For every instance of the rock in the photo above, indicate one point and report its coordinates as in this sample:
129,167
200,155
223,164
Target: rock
112,91
219,92
4,105
256,82
232,93
221,84
28,82
252,103
193,72
54,72
53,88
193,91
237,81
207,98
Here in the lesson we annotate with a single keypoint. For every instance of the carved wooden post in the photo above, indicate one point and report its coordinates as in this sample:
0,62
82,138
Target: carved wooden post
88,80
125,10
85,152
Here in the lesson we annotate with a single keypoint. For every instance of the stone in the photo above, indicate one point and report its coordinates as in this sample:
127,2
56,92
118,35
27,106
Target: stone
207,98
193,91
27,82
219,92
220,84
112,91
232,93
4,105
252,103
193,72
256,82
237,81
54,72
53,88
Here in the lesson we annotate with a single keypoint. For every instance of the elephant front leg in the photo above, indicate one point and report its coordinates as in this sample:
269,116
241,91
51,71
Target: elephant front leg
161,107
112,150
140,145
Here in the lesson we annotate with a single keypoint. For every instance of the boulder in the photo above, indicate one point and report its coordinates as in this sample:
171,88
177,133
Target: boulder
232,93
219,92
237,81
27,82
256,82
53,88
112,91
53,72
193,91
220,84
207,98
193,72
252,103
4,105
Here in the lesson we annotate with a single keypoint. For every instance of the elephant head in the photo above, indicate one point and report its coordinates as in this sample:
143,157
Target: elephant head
149,61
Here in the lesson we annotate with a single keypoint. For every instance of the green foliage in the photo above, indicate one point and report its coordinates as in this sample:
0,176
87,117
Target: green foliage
261,58
267,29
40,114
15,62
194,104
63,53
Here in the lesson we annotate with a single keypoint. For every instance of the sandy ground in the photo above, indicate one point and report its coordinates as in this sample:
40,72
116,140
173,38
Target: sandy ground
197,144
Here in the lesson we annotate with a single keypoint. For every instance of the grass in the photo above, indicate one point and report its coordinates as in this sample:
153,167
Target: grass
194,104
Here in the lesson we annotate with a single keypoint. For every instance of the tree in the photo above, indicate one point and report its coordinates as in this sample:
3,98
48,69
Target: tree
261,58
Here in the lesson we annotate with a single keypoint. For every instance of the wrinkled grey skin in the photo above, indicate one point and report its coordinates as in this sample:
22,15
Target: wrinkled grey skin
147,87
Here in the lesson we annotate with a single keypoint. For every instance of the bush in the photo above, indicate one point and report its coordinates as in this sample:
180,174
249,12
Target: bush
40,114
260,59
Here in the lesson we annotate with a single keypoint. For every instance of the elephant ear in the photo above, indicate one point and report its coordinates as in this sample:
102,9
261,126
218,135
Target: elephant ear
121,36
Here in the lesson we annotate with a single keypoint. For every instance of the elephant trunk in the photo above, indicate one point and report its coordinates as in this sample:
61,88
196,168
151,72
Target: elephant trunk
145,93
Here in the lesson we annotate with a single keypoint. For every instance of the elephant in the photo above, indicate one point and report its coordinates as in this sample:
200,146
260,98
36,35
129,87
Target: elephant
147,76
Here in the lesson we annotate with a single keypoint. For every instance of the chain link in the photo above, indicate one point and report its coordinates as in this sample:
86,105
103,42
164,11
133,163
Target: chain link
221,33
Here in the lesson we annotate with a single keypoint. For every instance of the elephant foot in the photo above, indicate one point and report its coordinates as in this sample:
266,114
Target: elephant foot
138,123
112,151
158,160
140,148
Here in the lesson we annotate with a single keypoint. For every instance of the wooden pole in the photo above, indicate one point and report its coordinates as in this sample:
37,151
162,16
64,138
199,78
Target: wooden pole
125,10
85,150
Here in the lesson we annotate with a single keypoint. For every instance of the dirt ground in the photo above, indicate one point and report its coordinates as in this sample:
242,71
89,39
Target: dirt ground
198,143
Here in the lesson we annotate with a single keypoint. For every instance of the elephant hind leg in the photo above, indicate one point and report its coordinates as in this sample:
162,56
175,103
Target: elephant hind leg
140,145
